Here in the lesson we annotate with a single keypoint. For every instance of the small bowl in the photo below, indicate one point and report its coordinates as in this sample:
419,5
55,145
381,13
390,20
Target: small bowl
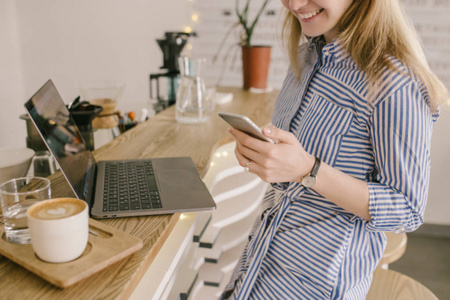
14,162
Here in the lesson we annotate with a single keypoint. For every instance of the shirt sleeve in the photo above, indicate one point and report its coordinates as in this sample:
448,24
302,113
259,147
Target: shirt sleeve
400,130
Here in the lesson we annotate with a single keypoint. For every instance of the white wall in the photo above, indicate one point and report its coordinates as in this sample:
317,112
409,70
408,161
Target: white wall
431,20
11,79
84,40
438,206
218,38
78,41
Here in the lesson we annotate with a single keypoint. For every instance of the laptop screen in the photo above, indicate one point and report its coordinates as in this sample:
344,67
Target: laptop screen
62,137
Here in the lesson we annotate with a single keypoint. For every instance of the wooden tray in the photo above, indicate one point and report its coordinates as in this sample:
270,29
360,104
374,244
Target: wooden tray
108,246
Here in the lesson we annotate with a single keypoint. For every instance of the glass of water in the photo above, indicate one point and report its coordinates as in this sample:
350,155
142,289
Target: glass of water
16,196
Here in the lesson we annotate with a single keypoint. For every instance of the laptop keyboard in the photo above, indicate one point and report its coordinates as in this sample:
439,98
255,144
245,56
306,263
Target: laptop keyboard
130,186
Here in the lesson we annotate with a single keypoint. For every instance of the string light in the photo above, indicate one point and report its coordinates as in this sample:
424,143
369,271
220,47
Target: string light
194,18
190,27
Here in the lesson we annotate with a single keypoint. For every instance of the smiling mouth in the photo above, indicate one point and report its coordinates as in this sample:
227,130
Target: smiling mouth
310,14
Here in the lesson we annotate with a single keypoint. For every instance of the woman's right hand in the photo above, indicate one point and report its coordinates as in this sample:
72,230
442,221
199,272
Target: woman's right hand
284,161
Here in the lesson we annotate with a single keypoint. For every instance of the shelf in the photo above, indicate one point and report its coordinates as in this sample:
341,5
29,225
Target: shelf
228,238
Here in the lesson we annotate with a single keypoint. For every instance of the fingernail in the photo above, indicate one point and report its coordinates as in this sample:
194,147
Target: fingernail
230,129
267,131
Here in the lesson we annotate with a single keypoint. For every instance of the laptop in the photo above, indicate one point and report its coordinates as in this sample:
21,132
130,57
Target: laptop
115,188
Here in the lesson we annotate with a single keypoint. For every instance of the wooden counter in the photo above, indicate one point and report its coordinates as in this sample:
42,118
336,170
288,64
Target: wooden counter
160,137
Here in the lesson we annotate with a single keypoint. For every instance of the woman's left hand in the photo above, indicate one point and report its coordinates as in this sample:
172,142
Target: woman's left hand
284,161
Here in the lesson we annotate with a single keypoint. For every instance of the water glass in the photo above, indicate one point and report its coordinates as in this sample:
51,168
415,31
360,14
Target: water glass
193,105
16,196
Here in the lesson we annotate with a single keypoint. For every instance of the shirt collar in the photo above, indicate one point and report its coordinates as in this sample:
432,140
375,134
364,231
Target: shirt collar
332,51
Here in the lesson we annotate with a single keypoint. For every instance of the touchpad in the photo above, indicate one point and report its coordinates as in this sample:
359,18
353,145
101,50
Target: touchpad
178,180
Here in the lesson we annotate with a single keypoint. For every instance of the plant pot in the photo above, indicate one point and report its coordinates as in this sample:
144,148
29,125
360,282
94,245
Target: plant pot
255,66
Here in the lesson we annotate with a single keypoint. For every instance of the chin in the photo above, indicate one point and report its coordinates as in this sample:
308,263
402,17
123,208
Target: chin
312,34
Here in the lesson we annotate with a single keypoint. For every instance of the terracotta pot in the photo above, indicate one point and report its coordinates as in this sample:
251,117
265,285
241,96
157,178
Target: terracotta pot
255,66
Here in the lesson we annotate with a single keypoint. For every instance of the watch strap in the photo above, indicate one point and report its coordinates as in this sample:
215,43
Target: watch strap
315,168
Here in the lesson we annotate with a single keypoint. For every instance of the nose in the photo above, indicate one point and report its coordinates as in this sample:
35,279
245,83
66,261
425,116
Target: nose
297,4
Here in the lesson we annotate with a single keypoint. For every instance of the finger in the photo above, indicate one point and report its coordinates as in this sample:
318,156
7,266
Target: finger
248,165
250,154
256,169
251,148
245,139
241,158
279,134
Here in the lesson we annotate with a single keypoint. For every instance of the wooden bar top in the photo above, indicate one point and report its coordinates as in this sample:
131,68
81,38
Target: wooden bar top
161,136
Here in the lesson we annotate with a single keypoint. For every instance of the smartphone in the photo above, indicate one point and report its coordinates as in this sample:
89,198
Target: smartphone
244,124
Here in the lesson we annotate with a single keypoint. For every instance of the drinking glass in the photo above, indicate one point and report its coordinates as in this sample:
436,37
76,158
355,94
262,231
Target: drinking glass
193,106
16,196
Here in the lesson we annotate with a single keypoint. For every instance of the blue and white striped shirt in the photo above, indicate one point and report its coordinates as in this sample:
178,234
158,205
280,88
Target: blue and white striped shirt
306,247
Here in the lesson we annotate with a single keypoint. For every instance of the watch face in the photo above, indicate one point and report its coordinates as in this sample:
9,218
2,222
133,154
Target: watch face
309,181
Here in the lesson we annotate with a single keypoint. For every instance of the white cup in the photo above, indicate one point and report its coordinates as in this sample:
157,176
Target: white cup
59,229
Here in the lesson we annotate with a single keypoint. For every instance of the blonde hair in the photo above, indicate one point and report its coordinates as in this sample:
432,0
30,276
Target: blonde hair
370,31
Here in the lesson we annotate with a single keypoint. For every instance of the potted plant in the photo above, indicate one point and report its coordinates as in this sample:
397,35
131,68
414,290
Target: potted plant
255,58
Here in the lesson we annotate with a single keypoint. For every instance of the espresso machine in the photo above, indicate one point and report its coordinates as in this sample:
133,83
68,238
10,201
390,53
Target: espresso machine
171,47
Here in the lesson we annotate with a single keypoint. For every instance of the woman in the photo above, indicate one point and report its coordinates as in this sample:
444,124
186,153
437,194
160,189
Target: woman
354,120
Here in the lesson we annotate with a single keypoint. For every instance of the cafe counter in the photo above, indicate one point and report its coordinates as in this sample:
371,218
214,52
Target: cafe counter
161,136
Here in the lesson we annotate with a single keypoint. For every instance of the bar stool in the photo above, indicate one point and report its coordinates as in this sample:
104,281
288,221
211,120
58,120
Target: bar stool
392,285
395,248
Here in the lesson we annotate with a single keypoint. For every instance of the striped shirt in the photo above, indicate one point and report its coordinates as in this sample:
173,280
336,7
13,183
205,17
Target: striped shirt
304,246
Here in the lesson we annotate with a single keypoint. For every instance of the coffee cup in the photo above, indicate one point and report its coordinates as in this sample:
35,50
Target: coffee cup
59,229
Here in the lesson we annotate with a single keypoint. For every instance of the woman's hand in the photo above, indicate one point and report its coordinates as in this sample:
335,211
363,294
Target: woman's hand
287,161
282,162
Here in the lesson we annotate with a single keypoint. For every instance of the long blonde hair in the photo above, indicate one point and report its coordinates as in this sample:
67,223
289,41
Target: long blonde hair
369,31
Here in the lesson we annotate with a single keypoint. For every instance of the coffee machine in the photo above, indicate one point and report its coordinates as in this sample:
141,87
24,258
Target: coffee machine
171,46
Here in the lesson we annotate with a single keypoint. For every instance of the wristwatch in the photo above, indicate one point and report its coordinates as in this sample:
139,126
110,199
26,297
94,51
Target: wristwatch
310,179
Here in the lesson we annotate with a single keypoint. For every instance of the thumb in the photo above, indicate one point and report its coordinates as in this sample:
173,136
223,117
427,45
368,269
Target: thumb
277,134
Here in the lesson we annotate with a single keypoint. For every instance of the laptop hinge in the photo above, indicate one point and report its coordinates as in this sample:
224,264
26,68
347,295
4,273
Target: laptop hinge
90,189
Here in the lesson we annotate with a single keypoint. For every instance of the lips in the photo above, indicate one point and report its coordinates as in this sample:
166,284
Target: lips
309,15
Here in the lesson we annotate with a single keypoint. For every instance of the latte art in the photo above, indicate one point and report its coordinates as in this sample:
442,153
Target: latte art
57,209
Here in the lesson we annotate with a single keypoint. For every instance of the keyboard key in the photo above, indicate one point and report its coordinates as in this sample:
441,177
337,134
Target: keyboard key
132,185
135,206
124,207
